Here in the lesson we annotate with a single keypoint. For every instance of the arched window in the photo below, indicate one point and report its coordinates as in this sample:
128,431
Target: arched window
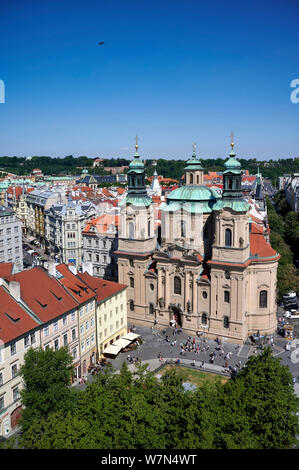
204,319
229,183
177,285
131,282
226,322
131,230
183,229
228,237
151,309
227,274
226,296
191,178
197,179
263,299
131,304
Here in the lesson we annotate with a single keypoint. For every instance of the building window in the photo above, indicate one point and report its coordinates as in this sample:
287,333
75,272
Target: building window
13,349
226,322
177,285
132,305
263,299
73,334
1,403
131,230
226,296
65,339
55,326
1,379
14,371
56,344
205,294
131,282
152,287
227,275
183,229
131,263
191,178
149,228
228,237
151,309
204,319
15,393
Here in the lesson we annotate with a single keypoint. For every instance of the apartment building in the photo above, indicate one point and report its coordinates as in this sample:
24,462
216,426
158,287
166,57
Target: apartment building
63,229
99,244
18,331
10,238
111,310
86,300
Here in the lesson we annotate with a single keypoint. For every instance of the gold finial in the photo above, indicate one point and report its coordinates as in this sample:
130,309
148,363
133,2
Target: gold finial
194,147
136,145
232,140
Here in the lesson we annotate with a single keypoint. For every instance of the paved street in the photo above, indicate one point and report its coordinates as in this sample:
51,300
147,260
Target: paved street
154,343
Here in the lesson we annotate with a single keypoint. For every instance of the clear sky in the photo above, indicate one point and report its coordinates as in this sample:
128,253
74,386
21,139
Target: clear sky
173,72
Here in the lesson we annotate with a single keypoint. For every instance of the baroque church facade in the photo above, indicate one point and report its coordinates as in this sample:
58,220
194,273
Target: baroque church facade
210,271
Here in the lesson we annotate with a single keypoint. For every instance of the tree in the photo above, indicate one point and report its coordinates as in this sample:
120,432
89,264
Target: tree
47,376
264,393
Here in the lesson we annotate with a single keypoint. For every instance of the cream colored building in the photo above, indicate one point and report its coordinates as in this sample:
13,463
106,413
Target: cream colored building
214,273
111,310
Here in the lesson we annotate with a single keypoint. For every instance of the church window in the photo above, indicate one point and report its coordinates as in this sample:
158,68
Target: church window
197,179
227,275
152,287
131,304
226,322
204,319
131,282
151,309
177,285
228,237
263,299
183,229
131,230
205,294
226,296
191,178
131,262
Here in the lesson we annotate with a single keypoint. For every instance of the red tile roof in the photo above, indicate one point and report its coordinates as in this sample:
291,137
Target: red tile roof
5,269
43,294
259,247
74,285
103,288
14,320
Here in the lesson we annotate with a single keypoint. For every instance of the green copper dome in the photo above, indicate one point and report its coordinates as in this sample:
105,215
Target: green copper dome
193,193
193,164
232,163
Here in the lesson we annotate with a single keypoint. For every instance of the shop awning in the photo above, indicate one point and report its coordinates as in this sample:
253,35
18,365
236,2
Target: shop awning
131,336
112,350
123,343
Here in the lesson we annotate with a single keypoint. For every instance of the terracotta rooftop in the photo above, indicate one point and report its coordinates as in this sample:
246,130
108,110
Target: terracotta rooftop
14,320
5,269
104,289
74,285
43,294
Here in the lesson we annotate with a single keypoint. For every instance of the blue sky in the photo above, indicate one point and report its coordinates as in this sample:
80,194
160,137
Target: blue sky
172,72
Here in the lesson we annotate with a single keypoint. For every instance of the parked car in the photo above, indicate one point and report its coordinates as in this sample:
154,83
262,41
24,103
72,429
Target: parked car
35,253
290,295
287,314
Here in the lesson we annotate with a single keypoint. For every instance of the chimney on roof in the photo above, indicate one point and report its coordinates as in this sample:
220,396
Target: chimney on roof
87,267
73,269
15,290
51,268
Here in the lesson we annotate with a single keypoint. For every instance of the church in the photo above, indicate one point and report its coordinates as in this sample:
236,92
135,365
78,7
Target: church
210,270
